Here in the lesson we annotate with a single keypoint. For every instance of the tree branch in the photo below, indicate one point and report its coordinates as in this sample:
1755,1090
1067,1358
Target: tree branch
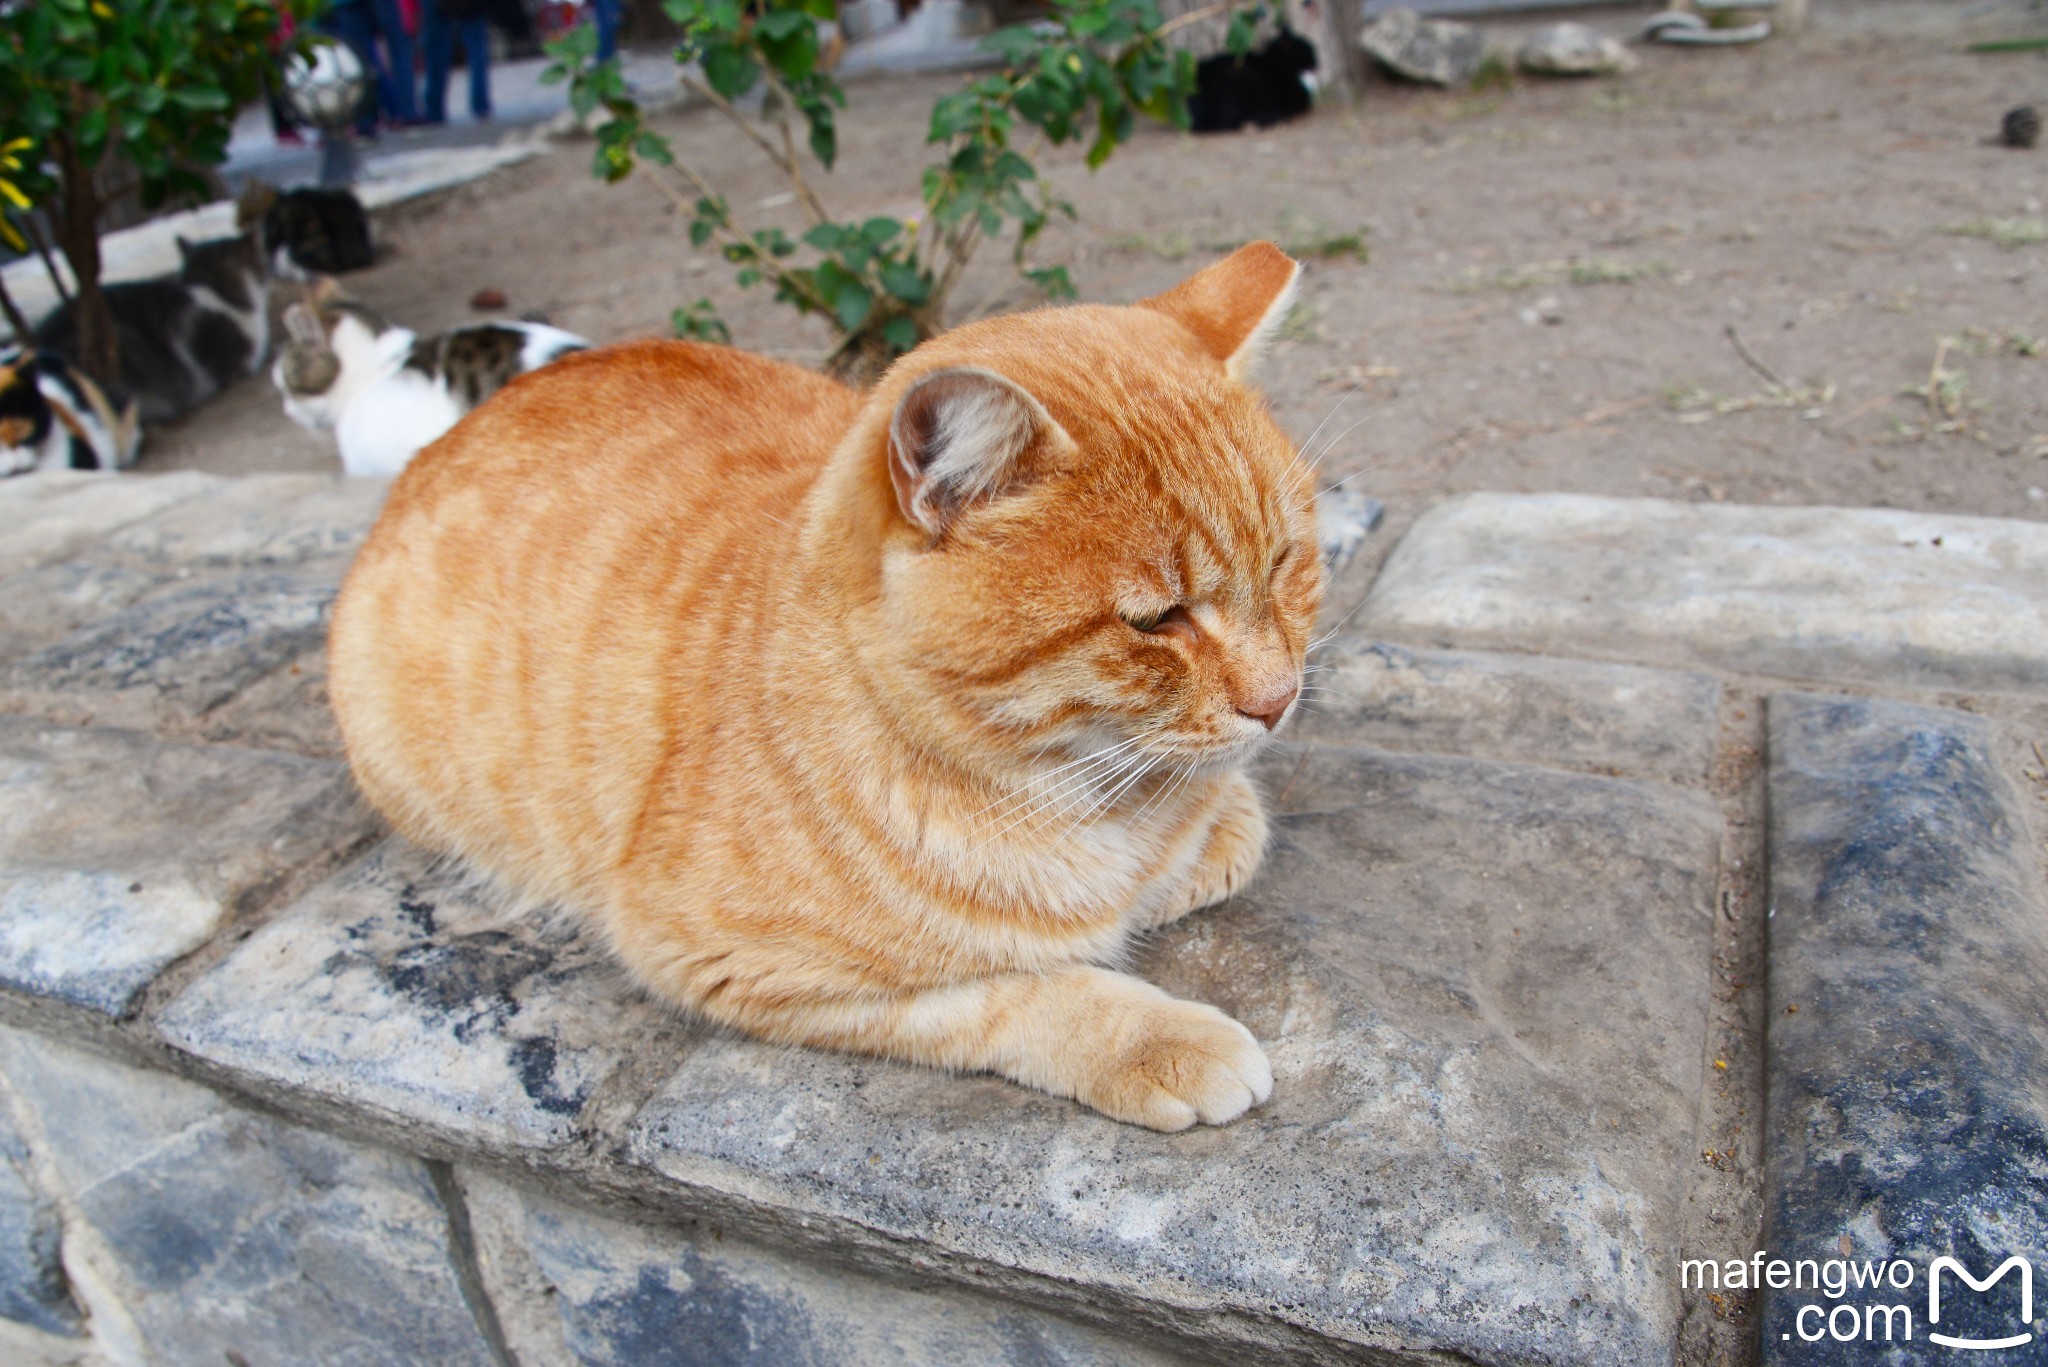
731,233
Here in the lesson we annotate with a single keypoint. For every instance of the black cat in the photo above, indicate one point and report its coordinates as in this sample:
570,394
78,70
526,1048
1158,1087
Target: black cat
317,232
1265,87
184,337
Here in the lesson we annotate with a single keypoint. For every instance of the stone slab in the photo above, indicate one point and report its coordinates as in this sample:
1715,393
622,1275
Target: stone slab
1605,718
206,1234
1908,1080
169,660
1484,992
396,989
1833,593
33,1288
120,854
258,520
45,517
631,1295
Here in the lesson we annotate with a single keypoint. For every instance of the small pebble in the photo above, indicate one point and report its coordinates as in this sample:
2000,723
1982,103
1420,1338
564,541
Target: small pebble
487,300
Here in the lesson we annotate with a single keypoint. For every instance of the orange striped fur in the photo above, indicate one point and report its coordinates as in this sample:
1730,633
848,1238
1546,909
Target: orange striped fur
877,722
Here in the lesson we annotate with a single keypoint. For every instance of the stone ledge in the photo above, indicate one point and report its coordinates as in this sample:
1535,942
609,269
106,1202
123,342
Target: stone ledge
1909,948
1620,720
120,855
1827,593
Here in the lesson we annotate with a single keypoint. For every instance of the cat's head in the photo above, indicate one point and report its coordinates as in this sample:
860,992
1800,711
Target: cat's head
232,267
25,415
1289,51
1096,534
322,335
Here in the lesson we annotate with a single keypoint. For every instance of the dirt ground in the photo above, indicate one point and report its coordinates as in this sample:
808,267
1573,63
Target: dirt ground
1553,270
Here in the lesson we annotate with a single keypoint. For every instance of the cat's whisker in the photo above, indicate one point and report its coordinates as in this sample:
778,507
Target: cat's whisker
1335,409
1025,791
1331,444
1108,769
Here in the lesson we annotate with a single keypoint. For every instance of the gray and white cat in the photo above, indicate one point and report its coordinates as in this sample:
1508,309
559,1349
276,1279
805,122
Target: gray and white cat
386,391
184,337
53,417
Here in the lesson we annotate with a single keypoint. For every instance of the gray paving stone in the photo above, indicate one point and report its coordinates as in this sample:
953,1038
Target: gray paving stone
1907,1083
259,520
213,1235
629,1295
1484,991
55,600
396,989
1613,719
168,661
33,1287
120,854
46,517
1844,593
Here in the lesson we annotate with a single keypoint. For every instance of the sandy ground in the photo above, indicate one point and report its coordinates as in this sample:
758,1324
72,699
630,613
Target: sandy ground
1553,269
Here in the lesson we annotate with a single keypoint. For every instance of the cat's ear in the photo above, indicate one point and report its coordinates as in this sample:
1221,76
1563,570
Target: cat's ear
303,326
1234,306
957,436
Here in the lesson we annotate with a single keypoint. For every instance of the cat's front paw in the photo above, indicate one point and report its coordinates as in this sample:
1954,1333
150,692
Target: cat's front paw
1183,1062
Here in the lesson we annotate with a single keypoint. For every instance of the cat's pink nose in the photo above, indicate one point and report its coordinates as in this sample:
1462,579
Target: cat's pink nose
1270,707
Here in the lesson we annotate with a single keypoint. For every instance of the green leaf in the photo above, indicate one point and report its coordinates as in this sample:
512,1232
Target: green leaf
731,71
700,231
781,23
852,305
827,237
900,333
907,283
655,148
877,231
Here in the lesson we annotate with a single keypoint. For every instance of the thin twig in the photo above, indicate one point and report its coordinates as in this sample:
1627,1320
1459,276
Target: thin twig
1196,16
14,318
1749,358
35,235
784,158
725,228
1936,410
786,101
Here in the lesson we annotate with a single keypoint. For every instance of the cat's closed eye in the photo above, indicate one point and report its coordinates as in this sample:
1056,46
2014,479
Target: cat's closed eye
1173,621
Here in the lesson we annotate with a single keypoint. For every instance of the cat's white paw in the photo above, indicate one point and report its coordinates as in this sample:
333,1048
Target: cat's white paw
1186,1062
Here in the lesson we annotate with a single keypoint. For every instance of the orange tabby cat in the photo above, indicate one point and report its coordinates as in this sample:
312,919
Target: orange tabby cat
875,722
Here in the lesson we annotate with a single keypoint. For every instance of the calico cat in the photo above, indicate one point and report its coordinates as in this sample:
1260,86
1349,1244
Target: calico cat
1272,85
880,721
308,232
184,337
53,417
386,391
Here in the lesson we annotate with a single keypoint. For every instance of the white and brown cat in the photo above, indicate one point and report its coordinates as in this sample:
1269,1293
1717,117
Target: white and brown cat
385,391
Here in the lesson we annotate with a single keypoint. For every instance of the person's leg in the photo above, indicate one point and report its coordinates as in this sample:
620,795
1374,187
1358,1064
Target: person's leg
606,12
350,23
437,36
398,97
476,46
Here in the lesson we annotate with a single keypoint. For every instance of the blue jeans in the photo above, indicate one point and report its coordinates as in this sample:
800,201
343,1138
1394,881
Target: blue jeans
360,23
606,12
438,34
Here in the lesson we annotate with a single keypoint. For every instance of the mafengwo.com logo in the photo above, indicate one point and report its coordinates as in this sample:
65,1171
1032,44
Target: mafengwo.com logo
1880,1301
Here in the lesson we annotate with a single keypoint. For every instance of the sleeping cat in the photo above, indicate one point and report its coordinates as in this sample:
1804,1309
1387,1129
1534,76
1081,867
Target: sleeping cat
385,390
53,417
880,721
308,231
1272,85
184,337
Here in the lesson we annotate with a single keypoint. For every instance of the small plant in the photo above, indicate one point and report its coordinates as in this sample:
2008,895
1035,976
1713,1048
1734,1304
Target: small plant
1087,73
2009,233
699,322
1589,271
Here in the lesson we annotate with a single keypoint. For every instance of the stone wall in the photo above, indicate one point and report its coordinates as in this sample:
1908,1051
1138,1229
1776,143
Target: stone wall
274,1087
